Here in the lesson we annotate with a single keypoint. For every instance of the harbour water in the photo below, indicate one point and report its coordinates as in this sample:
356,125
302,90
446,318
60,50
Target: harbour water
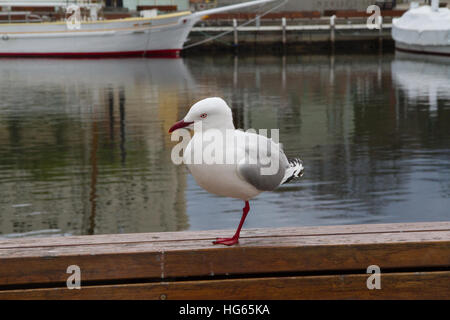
84,147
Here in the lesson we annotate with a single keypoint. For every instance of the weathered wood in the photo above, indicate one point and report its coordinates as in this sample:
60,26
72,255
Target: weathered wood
33,9
422,285
282,253
359,14
208,234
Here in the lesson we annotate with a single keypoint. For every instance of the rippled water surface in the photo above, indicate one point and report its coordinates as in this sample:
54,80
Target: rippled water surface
84,147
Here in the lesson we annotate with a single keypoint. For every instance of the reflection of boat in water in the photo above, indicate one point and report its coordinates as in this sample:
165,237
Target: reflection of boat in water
112,116
162,35
423,29
94,73
422,76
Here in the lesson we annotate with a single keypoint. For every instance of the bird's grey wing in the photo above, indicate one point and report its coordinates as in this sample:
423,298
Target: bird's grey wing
267,171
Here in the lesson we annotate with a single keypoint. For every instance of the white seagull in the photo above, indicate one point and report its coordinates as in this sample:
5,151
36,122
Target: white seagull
243,177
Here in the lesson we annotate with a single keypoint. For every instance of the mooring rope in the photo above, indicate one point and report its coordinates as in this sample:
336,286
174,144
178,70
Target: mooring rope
232,30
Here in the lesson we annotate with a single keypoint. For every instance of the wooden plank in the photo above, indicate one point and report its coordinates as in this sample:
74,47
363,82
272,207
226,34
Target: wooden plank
210,263
126,246
164,258
33,8
356,14
211,234
364,14
421,285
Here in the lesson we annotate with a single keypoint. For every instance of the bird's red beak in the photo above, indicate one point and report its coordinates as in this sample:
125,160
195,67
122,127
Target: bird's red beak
178,125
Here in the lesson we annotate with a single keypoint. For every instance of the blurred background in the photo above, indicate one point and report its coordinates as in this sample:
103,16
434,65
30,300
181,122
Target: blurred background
84,147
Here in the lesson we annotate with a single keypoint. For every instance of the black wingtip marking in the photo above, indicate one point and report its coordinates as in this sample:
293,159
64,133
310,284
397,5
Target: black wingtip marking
299,169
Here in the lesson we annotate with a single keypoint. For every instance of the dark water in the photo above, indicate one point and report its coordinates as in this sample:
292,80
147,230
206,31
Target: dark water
84,147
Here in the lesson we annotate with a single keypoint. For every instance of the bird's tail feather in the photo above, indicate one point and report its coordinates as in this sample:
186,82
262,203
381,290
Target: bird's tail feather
295,170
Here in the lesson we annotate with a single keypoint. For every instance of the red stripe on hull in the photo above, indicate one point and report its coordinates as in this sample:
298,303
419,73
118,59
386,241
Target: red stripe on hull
169,53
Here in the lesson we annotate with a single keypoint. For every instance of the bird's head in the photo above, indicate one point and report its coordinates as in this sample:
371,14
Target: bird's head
213,113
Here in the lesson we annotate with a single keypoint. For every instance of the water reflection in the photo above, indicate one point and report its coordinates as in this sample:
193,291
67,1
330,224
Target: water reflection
84,147
366,160
84,143
422,77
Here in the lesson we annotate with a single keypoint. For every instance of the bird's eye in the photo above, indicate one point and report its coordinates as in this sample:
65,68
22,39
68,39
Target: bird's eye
203,115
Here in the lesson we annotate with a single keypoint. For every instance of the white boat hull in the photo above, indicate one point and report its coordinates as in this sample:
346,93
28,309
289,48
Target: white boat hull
423,49
423,30
162,36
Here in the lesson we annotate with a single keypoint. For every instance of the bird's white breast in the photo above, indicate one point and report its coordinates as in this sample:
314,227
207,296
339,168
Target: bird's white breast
219,179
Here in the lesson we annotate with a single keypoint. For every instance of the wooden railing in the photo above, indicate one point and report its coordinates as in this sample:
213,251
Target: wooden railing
286,263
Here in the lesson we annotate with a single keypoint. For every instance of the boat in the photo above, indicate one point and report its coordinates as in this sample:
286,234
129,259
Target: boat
424,30
160,35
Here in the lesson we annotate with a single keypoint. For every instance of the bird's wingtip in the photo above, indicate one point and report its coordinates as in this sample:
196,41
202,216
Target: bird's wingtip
295,170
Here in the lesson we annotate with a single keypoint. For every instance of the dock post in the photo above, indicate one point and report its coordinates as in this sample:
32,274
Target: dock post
283,33
332,32
380,34
235,32
258,25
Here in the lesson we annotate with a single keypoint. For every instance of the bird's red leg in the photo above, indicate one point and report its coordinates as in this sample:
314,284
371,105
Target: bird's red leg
235,238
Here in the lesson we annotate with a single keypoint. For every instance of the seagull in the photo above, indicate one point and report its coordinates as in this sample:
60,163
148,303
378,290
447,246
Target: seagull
244,163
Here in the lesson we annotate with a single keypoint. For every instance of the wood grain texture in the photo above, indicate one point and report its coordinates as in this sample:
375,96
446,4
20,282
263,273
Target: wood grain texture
273,256
210,235
422,285
101,263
